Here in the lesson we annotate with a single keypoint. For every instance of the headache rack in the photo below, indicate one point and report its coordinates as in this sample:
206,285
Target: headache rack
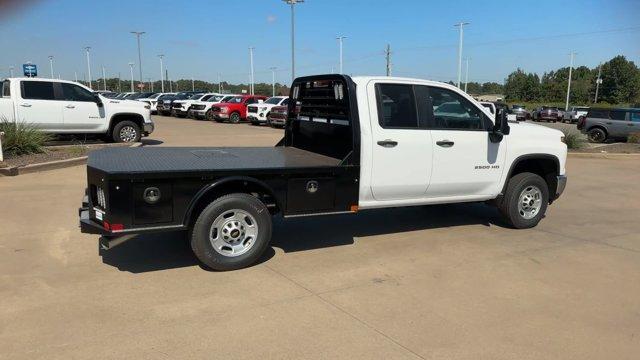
322,115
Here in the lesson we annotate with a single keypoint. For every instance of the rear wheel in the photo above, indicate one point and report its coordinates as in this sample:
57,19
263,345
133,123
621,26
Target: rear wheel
234,117
597,135
232,232
525,200
126,131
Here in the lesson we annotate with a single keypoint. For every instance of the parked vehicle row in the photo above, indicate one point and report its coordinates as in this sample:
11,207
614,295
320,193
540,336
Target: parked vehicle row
65,107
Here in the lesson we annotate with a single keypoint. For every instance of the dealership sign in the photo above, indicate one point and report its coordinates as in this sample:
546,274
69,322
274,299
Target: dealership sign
30,70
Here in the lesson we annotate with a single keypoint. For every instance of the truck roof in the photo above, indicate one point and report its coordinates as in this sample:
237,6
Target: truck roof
361,80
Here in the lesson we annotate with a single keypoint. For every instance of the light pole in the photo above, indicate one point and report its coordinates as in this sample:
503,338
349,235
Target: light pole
251,62
75,74
87,48
466,76
219,83
598,82
161,56
566,106
51,64
293,33
273,80
138,33
131,68
193,86
104,79
461,25
340,39
150,84
11,70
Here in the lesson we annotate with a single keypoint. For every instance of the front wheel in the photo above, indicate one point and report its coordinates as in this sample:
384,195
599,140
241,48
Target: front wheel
234,118
232,232
126,131
525,200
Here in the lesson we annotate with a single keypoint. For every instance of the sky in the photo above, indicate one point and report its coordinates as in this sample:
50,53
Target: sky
203,38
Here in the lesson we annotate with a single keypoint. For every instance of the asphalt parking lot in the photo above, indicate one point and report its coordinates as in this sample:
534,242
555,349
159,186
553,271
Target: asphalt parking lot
427,282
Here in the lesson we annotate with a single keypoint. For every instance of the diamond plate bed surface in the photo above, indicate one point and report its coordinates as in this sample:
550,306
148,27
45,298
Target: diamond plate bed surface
197,159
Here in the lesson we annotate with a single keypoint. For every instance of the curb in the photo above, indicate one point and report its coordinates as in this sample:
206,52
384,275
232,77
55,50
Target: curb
50,165
602,155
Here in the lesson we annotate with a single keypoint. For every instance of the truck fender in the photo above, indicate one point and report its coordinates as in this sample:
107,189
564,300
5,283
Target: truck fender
525,157
209,188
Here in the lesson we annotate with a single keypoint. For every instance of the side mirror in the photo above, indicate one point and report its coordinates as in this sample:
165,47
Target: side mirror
98,101
501,127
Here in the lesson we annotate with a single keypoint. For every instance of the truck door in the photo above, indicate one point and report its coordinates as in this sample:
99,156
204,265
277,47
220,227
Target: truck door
401,146
37,105
465,161
80,110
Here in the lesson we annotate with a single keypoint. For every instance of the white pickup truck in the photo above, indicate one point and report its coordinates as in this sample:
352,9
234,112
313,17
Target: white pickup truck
350,144
66,107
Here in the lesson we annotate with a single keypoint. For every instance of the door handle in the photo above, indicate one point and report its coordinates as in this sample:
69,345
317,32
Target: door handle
629,124
387,143
609,122
25,105
445,143
70,107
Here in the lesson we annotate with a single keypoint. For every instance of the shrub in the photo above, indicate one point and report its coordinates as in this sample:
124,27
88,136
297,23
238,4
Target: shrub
21,139
573,139
634,138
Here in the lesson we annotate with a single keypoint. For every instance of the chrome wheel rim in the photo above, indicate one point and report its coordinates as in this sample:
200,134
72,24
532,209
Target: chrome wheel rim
128,134
530,202
233,233
235,118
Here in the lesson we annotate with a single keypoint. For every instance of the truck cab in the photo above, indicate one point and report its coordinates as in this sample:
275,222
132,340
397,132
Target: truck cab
350,144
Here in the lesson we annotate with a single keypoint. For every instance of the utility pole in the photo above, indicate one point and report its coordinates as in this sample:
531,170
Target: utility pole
466,76
138,33
293,35
387,55
340,40
161,56
461,25
51,65
131,68
598,82
251,89
219,84
104,79
87,48
273,80
572,54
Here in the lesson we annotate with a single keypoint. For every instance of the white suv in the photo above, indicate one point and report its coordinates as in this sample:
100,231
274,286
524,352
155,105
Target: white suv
257,113
180,108
65,107
202,109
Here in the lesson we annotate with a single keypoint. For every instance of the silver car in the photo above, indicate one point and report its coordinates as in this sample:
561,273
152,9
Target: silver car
603,124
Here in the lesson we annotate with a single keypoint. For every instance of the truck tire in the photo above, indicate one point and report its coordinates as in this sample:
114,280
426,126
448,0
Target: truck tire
232,232
126,131
234,117
525,200
597,135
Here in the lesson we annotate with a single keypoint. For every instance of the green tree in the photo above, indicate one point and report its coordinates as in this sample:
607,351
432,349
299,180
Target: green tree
620,81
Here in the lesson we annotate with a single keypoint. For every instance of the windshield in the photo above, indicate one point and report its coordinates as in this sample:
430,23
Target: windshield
273,100
226,99
235,100
215,98
195,97
582,109
517,107
165,97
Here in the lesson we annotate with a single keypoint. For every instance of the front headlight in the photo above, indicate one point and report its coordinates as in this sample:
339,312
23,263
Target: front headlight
224,109
264,108
147,107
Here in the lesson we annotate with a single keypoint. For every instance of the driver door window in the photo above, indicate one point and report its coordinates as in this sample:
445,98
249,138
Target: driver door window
453,112
72,92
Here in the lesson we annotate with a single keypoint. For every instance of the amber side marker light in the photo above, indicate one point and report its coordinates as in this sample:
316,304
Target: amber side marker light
353,208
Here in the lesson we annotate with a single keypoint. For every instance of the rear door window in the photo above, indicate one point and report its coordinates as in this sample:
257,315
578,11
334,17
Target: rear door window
38,90
397,106
635,116
6,88
619,115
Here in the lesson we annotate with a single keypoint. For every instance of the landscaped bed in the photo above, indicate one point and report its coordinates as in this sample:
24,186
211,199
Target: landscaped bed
53,153
615,148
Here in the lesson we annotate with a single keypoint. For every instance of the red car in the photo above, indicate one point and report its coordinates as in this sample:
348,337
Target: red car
235,109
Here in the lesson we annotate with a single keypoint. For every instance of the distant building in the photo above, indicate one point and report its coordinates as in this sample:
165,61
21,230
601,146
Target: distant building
489,97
